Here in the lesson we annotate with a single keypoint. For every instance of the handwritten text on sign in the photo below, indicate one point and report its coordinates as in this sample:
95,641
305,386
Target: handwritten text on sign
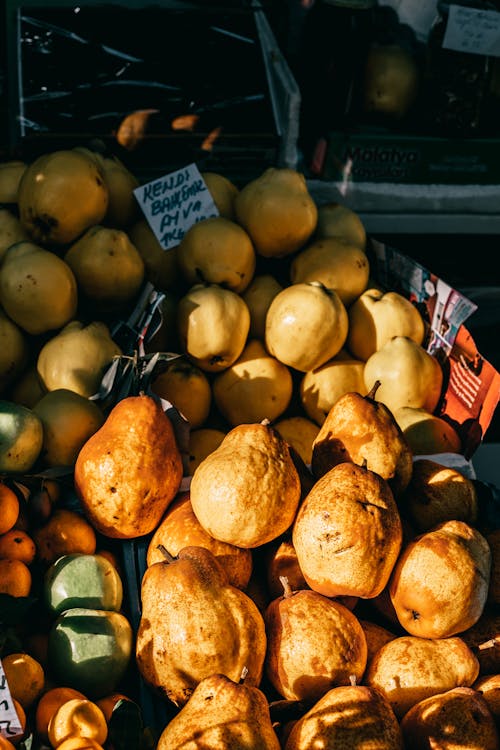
173,203
474,31
10,726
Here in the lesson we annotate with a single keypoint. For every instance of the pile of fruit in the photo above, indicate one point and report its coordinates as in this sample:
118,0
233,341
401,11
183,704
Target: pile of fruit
313,578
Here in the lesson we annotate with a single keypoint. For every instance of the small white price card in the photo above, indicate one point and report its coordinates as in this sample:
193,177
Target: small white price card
10,726
173,203
474,31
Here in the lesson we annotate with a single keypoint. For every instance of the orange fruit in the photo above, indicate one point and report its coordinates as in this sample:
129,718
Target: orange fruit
49,703
9,508
15,578
25,678
66,531
78,717
16,544
108,702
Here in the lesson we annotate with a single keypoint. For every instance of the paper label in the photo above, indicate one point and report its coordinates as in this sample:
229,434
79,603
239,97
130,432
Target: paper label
10,726
174,202
474,31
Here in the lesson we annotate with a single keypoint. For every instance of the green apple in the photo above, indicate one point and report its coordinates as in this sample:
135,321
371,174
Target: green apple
377,316
427,433
90,650
82,580
408,375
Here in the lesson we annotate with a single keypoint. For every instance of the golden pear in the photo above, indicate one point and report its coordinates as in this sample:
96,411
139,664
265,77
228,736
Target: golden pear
489,687
409,669
427,433
361,429
408,375
306,325
376,317
77,357
337,220
438,493
277,211
180,528
38,289
108,268
217,251
322,387
457,718
194,624
336,264
222,713
28,388
123,208
223,192
258,295
376,636
255,387
202,442
300,433
313,644
281,562
439,585
213,325
187,388
347,533
352,717
247,491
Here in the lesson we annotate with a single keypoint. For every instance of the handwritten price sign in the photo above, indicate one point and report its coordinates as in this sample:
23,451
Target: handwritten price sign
10,726
173,203
474,31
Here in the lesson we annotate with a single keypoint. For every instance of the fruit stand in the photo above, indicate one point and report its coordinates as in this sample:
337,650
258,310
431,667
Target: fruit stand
239,498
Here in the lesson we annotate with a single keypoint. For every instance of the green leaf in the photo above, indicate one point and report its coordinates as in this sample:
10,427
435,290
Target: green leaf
125,726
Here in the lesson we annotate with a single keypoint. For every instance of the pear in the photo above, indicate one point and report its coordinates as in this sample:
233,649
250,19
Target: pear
277,211
376,636
352,717
14,351
247,491
180,528
123,208
258,295
10,176
408,374
409,669
306,325
335,263
347,533
223,192
457,718
221,714
11,230
489,687
483,638
313,644
76,357
281,562
360,428
195,624
427,433
337,220
255,387
322,387
438,493
439,585
160,266
217,251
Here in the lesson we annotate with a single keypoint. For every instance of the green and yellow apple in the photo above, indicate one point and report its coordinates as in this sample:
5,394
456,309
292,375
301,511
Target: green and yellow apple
82,580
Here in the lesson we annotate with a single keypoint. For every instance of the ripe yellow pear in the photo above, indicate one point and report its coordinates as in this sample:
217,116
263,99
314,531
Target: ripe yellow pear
11,230
258,295
426,432
223,192
408,375
255,387
337,220
202,442
277,211
336,263
322,387
376,317
306,325
213,325
218,251
300,433
187,388
160,266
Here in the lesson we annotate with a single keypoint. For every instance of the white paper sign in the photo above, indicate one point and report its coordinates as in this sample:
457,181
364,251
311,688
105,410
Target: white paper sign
10,726
173,203
472,30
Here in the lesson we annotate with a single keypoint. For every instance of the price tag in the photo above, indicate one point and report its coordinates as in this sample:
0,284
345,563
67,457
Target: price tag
10,726
173,203
474,31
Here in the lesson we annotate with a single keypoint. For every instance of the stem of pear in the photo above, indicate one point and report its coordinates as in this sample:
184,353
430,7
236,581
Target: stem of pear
375,387
287,589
